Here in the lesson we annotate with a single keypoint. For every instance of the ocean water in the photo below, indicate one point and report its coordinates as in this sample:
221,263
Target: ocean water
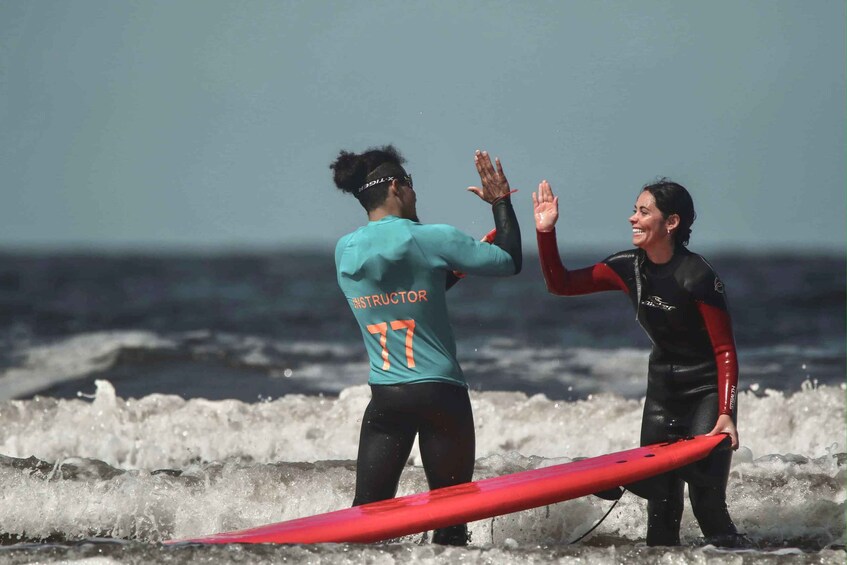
147,398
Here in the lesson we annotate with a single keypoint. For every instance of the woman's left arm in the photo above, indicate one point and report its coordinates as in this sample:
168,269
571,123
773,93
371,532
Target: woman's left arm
719,327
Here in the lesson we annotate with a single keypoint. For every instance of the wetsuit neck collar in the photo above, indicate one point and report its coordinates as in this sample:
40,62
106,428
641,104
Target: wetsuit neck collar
663,268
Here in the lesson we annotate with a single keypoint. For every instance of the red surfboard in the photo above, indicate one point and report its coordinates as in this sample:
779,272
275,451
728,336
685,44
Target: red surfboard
477,500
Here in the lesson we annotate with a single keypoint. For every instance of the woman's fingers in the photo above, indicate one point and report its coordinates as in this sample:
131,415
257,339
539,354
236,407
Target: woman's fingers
545,193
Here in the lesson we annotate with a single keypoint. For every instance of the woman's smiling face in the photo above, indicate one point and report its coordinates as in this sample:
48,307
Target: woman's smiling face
649,227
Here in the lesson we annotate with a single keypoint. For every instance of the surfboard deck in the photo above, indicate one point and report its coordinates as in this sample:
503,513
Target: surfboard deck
478,500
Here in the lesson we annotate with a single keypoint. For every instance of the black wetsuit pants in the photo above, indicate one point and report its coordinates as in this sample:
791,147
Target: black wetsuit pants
683,400
440,414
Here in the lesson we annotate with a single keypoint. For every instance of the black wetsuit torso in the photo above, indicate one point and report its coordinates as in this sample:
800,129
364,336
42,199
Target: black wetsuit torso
665,301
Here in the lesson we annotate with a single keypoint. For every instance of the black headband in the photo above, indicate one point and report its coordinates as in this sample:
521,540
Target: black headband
375,182
405,177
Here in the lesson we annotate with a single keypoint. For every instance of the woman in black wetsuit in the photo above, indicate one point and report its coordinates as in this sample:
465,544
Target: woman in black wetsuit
693,370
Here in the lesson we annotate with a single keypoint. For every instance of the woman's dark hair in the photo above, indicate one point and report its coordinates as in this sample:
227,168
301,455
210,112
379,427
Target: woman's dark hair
352,171
672,198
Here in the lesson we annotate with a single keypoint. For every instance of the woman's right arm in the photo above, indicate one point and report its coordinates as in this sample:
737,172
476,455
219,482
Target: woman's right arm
559,280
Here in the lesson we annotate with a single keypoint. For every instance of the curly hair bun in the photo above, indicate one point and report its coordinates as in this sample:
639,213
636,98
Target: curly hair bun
351,170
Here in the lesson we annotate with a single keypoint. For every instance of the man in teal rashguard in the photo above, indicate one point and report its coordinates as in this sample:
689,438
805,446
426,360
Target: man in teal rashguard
395,272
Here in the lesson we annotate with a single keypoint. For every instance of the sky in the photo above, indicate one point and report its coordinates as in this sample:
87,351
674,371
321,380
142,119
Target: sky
210,124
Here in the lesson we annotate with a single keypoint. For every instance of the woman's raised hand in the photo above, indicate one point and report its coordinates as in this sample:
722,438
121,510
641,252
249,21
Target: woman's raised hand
545,206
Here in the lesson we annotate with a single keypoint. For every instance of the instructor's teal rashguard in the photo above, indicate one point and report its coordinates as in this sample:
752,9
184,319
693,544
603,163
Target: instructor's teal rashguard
393,273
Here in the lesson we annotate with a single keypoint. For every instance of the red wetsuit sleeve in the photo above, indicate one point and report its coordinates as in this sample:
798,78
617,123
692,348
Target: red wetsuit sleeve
562,282
720,333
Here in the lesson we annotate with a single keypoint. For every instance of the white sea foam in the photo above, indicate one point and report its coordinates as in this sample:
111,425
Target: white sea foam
242,465
167,431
